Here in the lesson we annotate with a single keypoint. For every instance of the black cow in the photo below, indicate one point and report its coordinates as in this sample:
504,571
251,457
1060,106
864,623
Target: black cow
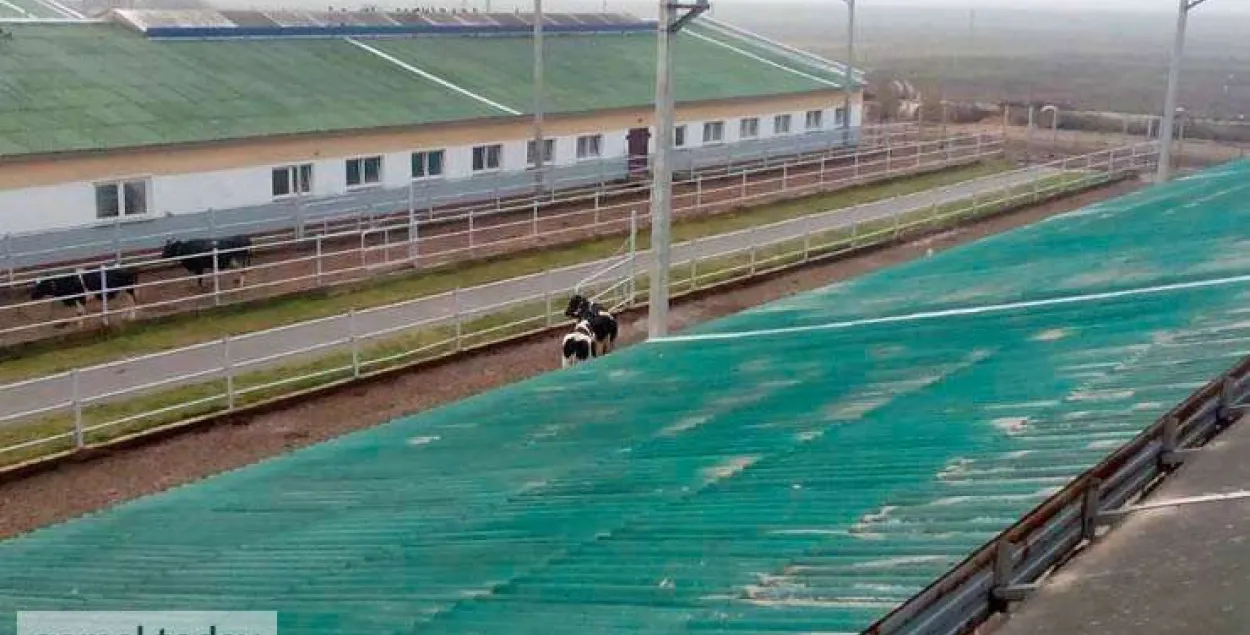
76,289
196,255
602,323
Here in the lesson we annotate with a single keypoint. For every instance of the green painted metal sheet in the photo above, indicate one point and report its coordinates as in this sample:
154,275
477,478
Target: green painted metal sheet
97,86
801,467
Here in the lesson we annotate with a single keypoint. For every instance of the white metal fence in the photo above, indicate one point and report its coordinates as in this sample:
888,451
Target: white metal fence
114,240
319,259
67,410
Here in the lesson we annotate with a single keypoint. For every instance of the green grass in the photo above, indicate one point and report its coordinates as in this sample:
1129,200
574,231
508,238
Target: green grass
183,330
254,387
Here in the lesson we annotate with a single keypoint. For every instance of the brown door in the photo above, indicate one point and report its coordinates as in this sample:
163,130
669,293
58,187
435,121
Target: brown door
637,142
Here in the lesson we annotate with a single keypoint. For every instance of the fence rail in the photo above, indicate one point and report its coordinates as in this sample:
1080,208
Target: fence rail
431,239
292,218
71,409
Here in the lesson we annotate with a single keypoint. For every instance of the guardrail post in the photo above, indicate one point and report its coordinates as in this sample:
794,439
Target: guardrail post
320,266
455,300
227,364
1002,591
353,339
364,239
104,295
1170,441
1227,412
1091,506
76,400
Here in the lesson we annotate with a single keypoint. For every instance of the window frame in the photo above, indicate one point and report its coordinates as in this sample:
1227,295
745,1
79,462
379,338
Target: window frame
749,122
583,147
119,188
713,139
297,184
425,155
549,151
486,153
679,136
789,121
819,115
839,116
363,172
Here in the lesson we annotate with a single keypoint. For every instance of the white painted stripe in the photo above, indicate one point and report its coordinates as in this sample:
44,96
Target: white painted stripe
809,57
15,8
1189,500
60,8
976,310
433,78
764,60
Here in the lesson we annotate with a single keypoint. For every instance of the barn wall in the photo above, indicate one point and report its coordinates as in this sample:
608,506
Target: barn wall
61,193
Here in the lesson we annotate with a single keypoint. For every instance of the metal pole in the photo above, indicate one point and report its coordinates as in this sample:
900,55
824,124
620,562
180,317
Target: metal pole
228,365
104,295
1169,101
662,179
355,343
538,97
633,253
216,280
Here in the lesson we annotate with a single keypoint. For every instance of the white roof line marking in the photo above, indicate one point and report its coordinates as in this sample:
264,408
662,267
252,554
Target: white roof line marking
433,78
764,60
16,8
976,310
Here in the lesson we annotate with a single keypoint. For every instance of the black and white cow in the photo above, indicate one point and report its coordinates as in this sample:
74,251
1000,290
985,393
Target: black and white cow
196,255
76,289
577,346
602,324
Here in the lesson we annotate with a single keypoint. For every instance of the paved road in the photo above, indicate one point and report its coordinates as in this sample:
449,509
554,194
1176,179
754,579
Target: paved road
259,350
1178,569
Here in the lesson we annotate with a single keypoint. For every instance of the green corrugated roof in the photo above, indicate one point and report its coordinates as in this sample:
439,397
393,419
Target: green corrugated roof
91,86
786,482
27,9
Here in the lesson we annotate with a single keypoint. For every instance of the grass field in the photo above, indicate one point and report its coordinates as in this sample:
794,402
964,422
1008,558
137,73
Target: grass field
101,423
183,330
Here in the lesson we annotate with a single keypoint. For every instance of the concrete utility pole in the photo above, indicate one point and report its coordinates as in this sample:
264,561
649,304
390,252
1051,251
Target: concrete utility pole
850,71
1169,102
662,172
539,54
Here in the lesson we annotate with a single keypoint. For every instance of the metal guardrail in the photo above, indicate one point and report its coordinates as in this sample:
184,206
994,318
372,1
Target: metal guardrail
1008,568
365,340
327,259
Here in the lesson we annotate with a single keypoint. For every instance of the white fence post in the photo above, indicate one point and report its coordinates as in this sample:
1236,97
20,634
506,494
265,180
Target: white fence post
104,295
216,278
535,219
698,193
744,185
320,264
8,257
807,246
355,342
752,237
76,399
228,366
694,264
455,300
471,210
821,180
547,297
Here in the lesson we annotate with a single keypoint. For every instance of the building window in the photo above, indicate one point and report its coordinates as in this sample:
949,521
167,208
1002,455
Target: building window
781,124
749,128
292,179
839,116
714,132
549,152
123,198
487,158
590,146
815,119
679,137
364,171
427,164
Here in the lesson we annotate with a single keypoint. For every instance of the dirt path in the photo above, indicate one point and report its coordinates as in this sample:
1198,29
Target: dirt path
78,488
